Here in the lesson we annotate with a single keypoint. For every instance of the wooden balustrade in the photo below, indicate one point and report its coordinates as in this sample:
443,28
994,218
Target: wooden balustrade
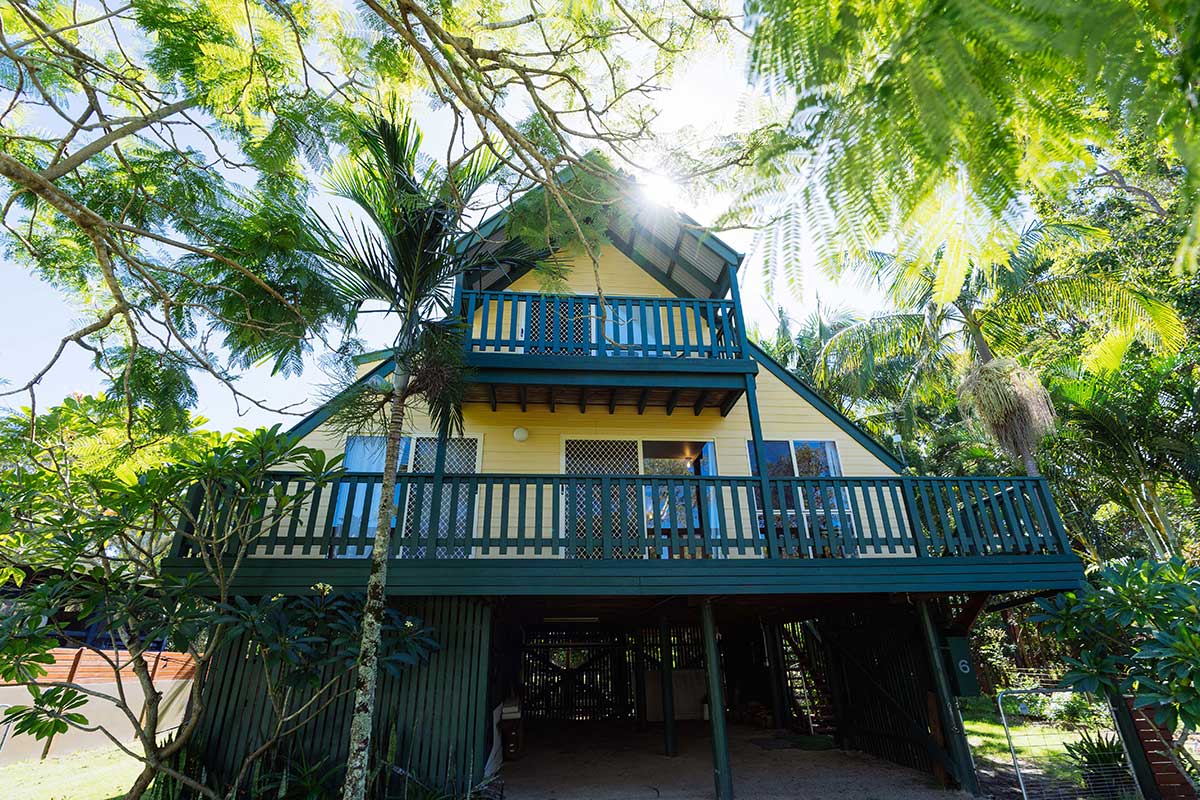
611,517
536,324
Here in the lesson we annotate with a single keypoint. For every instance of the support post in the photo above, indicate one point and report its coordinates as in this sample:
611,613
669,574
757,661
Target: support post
759,463
952,726
773,651
666,676
722,777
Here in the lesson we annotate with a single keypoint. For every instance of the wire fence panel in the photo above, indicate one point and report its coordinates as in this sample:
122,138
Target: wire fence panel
1065,746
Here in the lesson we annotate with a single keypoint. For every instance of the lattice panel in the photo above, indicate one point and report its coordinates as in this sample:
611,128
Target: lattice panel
453,517
604,457
567,325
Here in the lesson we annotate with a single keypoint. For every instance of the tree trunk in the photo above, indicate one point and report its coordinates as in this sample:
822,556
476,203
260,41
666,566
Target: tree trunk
144,779
1030,463
1145,516
1155,513
1160,519
359,754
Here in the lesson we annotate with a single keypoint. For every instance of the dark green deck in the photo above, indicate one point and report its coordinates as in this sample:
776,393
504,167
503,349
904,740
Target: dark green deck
734,576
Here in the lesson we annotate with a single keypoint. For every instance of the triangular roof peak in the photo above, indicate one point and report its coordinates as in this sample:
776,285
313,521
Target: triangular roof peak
672,247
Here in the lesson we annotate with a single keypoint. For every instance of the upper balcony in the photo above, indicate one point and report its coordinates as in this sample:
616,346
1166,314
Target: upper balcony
581,350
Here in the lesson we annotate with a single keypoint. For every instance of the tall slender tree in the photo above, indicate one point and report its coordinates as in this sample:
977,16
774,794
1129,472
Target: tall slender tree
403,248
997,305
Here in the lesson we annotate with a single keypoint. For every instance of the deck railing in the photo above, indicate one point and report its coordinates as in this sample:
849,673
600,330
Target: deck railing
531,323
668,517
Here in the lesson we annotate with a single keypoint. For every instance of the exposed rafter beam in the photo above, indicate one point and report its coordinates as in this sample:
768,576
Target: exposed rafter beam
612,401
523,394
701,399
672,401
730,402
582,399
492,395
971,609
551,397
1021,600
645,395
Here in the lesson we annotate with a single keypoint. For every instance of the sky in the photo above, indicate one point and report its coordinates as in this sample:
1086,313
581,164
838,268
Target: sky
704,96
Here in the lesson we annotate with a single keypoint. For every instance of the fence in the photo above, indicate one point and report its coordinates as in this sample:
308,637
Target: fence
1065,745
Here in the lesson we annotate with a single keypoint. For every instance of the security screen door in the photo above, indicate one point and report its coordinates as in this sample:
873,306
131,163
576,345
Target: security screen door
454,513
583,504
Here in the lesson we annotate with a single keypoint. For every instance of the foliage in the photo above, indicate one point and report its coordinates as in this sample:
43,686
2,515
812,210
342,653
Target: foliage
89,544
406,254
1133,630
1075,710
1009,402
1132,435
138,143
158,153
930,120
1097,752
924,346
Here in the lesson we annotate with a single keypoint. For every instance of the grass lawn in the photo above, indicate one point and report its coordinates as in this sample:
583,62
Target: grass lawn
89,775
1039,747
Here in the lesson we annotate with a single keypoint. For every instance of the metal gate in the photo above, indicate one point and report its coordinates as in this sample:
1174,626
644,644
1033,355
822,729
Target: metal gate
1065,746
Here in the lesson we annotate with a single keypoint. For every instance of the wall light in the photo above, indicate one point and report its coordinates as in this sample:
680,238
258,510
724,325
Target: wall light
520,434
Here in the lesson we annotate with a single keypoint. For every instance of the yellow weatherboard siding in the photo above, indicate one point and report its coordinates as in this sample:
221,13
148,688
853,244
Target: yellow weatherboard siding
784,414
618,275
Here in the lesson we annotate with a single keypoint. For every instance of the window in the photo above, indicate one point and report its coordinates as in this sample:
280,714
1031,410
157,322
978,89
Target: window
797,459
625,332
805,511
680,511
358,504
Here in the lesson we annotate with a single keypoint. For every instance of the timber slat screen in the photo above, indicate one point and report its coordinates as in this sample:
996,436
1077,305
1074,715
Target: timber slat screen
610,517
535,324
432,718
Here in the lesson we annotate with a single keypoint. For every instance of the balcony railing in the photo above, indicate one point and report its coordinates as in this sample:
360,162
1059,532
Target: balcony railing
668,517
566,326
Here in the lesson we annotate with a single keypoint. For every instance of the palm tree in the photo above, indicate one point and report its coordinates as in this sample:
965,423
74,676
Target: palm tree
989,322
404,249
801,346
1133,434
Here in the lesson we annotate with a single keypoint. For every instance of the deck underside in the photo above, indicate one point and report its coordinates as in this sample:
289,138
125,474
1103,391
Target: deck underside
733,576
554,397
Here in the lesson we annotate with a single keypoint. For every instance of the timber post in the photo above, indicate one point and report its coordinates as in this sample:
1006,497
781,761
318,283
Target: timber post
952,726
722,776
758,459
773,650
666,676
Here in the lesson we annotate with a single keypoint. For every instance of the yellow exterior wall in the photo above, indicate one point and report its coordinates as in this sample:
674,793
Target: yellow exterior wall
784,414
618,276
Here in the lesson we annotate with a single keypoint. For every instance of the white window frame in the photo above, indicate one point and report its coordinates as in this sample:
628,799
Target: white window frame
406,469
